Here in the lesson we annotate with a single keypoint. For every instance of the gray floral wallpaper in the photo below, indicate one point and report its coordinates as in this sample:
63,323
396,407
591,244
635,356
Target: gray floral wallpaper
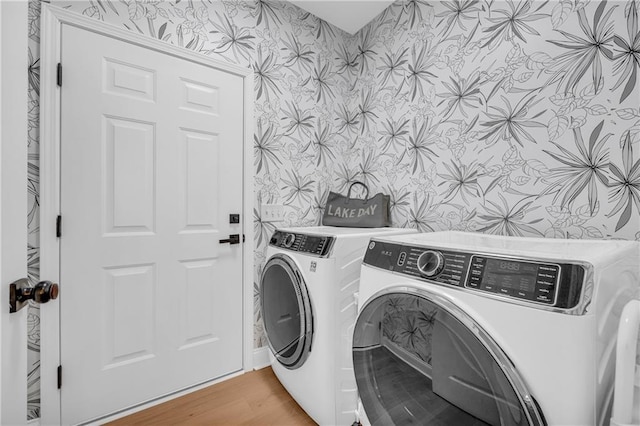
506,117
33,219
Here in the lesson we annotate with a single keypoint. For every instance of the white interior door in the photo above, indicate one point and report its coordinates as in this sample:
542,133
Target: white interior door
151,168
13,209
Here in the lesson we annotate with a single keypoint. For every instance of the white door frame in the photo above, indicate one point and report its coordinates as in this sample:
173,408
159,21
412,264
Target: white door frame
53,18
13,208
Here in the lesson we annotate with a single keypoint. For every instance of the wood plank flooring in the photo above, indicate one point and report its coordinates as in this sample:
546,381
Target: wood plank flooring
254,398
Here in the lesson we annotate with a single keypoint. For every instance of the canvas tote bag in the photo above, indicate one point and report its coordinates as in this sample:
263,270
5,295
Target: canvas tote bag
357,213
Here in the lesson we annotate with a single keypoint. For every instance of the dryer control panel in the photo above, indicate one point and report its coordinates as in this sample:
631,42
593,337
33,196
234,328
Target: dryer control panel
536,281
316,245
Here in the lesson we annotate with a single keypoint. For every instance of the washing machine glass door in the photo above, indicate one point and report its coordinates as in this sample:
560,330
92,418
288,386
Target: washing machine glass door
418,359
286,311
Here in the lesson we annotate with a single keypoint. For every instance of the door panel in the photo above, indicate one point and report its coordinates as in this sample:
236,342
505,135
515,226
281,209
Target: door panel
197,320
128,324
130,149
130,80
199,181
150,170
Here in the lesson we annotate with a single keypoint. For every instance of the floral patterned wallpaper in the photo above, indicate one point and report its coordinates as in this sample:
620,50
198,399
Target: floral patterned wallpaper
505,117
513,117
33,219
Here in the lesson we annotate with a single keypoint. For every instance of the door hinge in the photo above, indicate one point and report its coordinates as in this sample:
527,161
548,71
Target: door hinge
59,376
59,77
59,226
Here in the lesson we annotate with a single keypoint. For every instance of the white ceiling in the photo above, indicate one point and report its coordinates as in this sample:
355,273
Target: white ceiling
349,15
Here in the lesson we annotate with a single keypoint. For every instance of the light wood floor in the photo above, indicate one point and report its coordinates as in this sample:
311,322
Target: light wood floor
256,398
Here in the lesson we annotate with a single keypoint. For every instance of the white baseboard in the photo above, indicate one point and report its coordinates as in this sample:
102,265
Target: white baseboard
261,358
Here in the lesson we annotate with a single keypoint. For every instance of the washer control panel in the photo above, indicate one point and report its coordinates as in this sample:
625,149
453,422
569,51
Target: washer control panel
316,245
533,281
547,283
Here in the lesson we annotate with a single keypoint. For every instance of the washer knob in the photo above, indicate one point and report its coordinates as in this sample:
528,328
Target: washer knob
289,240
430,263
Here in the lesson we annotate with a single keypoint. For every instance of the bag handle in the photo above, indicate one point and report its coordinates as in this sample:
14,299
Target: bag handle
366,188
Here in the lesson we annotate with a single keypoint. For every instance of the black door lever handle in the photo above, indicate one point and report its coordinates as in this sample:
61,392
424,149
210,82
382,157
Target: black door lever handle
233,239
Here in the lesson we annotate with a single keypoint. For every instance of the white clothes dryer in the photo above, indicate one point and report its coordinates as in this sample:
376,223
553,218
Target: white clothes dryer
307,297
461,328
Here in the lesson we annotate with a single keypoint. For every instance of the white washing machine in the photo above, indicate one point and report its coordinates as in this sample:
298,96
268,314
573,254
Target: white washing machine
470,329
307,297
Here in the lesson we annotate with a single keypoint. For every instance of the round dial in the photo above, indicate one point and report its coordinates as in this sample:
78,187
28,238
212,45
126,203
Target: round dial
289,240
430,263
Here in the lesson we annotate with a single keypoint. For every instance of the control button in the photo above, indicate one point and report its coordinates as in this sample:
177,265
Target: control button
402,258
473,283
548,268
543,288
544,298
289,240
430,263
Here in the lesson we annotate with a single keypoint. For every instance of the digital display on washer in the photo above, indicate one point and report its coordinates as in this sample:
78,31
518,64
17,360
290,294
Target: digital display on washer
531,281
311,244
510,275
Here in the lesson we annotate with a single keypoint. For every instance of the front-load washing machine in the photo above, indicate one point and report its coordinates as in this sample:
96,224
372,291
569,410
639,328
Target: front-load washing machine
307,297
461,328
